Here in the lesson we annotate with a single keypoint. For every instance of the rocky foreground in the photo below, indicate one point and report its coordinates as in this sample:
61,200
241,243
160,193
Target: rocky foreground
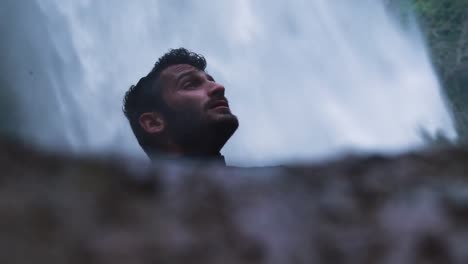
407,209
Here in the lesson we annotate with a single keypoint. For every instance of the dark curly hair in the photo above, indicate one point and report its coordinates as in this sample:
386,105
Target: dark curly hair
145,96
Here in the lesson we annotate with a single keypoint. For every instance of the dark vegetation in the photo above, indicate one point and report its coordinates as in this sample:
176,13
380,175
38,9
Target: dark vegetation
445,26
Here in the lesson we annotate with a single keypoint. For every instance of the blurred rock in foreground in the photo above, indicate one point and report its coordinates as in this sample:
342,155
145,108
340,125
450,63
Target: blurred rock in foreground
407,209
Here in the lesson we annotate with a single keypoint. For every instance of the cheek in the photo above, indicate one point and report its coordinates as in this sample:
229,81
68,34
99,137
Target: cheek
191,101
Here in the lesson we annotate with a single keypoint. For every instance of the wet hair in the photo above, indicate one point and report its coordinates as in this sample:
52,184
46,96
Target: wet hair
145,96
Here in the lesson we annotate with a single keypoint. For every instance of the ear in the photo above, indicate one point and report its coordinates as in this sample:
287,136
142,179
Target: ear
152,122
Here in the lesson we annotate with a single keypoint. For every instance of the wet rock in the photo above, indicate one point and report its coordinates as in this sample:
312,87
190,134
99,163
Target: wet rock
411,208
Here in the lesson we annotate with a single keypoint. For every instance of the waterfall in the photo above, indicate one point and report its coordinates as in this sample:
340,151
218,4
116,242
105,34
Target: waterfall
307,79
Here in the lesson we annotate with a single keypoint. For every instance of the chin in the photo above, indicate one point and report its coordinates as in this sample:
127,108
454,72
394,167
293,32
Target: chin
226,117
223,129
225,121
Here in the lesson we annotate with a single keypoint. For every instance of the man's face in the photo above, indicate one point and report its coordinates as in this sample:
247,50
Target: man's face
197,114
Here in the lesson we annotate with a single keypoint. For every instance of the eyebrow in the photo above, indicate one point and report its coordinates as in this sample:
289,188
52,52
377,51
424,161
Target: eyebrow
190,72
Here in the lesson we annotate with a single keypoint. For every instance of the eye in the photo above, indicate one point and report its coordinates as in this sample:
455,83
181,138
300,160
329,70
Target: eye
191,84
210,78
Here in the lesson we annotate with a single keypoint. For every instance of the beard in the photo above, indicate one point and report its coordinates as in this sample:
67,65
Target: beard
200,132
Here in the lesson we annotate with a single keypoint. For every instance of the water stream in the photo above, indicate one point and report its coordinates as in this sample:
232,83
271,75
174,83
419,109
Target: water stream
307,78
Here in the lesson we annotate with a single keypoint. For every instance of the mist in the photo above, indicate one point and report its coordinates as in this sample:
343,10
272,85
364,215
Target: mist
307,79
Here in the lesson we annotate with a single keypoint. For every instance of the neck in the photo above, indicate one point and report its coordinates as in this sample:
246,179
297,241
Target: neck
171,157
175,153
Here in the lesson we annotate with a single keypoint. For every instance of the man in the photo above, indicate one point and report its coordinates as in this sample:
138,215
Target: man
179,111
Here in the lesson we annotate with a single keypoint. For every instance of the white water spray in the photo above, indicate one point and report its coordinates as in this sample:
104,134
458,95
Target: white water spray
306,78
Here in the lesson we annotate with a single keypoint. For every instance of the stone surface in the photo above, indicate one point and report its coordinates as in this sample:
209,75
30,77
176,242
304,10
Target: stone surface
411,208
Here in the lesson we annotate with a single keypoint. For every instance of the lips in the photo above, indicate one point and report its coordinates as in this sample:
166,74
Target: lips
219,103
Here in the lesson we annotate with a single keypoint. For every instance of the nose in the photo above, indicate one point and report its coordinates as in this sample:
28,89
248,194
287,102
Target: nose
216,89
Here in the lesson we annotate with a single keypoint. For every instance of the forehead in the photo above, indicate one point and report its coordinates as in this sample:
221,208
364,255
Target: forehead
174,71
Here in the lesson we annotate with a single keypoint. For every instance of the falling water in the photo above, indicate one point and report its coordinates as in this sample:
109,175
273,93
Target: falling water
307,79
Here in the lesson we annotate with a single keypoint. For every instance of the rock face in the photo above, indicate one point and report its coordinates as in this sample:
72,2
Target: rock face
457,81
445,26
407,209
